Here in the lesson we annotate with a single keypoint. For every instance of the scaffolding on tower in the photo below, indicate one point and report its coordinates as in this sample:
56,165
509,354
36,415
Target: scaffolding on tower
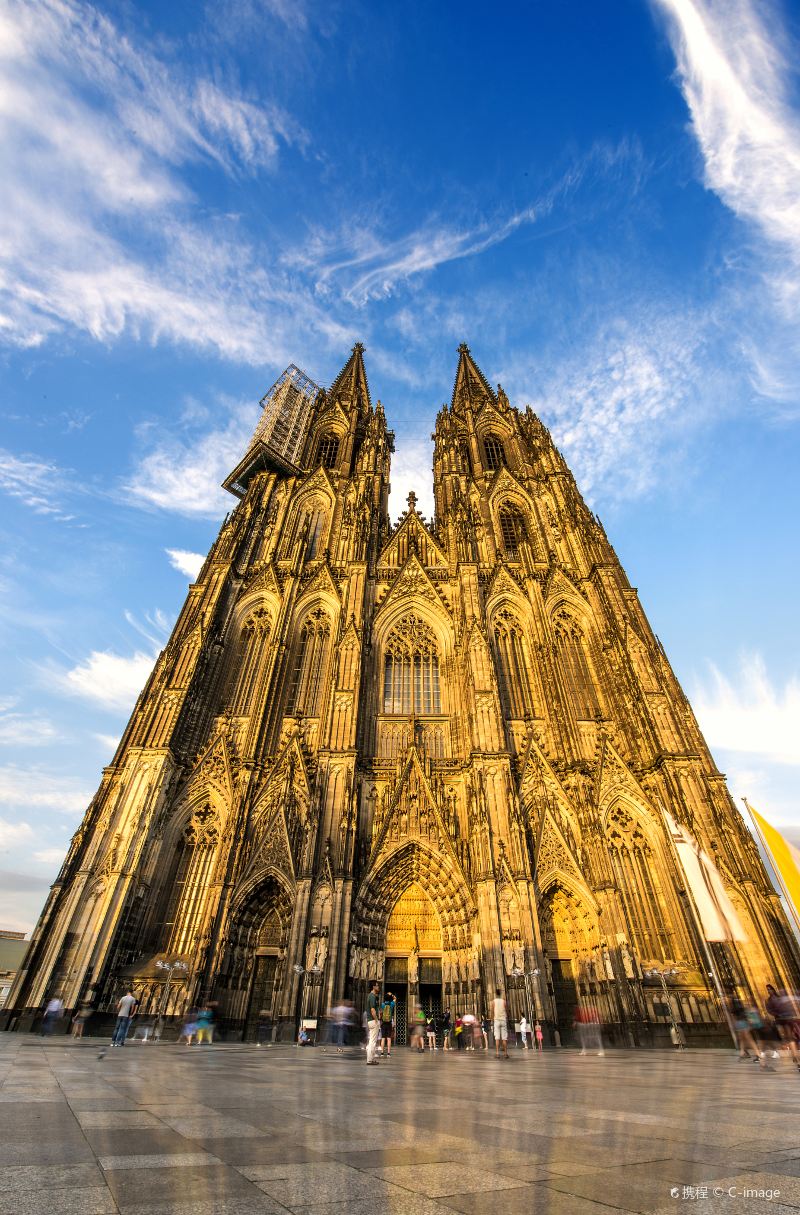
278,438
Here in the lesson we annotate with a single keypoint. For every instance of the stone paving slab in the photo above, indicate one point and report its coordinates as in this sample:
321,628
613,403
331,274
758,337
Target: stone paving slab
236,1131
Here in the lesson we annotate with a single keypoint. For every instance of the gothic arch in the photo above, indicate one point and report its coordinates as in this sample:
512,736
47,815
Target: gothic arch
251,602
251,649
411,669
308,660
266,889
257,940
520,693
643,878
430,611
569,921
192,848
512,524
495,448
576,660
314,502
436,873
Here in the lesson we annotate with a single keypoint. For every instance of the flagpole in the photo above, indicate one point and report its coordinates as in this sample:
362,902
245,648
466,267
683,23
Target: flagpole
776,869
698,924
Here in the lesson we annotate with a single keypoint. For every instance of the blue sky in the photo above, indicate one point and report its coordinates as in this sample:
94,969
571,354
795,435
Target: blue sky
603,200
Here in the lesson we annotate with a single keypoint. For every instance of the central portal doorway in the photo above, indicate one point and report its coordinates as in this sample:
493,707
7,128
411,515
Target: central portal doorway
395,980
413,971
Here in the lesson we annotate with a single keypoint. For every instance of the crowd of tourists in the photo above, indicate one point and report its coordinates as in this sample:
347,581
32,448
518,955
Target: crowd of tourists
762,1037
432,1031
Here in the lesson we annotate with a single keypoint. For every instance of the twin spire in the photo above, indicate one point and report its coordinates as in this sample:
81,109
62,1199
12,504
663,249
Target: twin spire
351,383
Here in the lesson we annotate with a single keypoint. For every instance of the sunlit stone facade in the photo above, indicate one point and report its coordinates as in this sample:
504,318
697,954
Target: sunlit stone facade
434,753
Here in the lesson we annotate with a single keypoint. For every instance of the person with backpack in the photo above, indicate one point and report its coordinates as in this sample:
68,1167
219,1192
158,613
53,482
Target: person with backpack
447,1029
387,1024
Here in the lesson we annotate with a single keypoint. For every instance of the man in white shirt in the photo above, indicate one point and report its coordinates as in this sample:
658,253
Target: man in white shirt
500,1018
125,1010
52,1013
523,1031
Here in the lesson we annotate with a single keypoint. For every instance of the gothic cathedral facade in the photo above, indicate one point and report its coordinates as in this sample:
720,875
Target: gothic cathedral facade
435,754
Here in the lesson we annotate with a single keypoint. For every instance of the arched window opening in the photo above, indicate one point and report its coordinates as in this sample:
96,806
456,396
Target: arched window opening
512,529
574,667
494,451
636,875
316,528
307,680
513,667
328,451
196,852
411,670
252,652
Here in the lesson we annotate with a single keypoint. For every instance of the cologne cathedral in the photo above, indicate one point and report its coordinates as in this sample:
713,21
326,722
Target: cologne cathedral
434,753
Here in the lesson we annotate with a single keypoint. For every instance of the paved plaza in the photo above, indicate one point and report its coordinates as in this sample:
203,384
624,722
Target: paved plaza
241,1130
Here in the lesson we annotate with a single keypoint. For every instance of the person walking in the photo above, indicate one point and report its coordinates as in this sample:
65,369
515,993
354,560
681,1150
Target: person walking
524,1030
126,1009
538,1033
447,1029
80,1019
486,1025
205,1025
783,1010
338,1023
500,1018
458,1032
373,1023
388,1008
420,1021
431,1030
52,1013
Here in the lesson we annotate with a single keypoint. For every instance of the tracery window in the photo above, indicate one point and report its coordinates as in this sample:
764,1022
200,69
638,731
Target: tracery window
512,529
307,679
494,451
316,528
195,860
328,450
513,667
253,649
636,874
411,669
574,666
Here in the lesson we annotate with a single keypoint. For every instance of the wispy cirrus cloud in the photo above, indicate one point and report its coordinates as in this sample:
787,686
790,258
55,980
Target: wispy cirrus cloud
38,484
735,62
110,680
359,262
19,729
12,835
185,562
182,469
630,396
100,230
749,713
368,267
38,787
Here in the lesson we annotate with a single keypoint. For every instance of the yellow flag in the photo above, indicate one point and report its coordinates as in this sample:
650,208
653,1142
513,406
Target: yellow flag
784,856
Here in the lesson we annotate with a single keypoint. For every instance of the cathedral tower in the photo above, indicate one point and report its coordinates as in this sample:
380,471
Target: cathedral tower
436,754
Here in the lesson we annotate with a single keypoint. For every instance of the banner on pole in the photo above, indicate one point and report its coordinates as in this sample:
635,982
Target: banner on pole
716,912
784,856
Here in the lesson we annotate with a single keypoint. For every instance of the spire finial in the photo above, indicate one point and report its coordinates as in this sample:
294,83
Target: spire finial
412,501
463,348
359,348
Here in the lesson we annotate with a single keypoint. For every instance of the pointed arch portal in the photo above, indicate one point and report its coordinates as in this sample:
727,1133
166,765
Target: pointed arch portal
416,913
